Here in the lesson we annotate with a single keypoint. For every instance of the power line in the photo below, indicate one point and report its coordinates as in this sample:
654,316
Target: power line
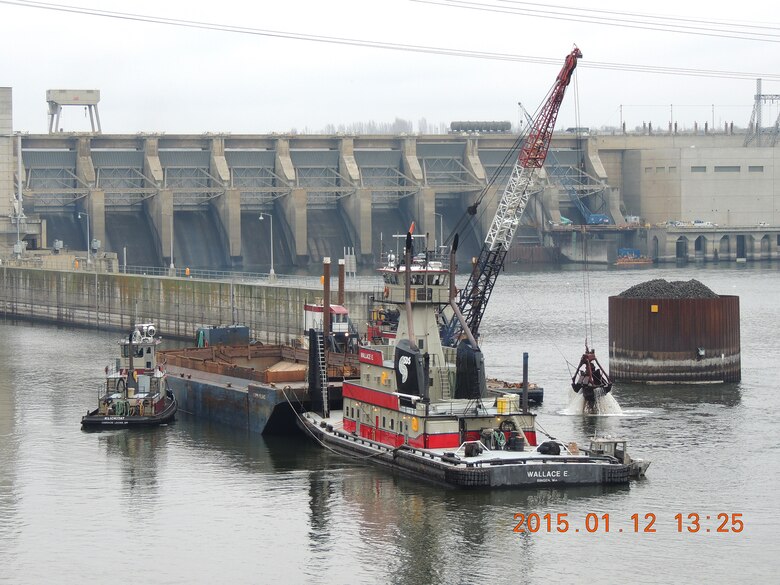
445,51
716,28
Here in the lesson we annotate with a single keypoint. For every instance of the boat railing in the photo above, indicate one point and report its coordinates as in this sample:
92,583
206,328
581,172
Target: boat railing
102,390
461,406
364,283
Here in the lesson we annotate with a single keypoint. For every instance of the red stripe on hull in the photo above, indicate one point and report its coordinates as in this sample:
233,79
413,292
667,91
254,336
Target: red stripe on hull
373,397
441,441
530,438
438,441
390,438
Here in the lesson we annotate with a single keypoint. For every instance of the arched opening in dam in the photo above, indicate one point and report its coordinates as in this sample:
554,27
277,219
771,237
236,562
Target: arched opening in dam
682,248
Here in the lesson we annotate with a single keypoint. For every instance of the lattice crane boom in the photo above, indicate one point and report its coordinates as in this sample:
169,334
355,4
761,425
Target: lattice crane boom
474,297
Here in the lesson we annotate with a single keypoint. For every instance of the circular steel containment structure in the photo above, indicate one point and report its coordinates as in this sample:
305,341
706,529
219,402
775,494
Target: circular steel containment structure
674,340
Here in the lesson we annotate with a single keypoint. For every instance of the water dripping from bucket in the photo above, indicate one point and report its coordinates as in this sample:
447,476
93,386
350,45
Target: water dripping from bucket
603,404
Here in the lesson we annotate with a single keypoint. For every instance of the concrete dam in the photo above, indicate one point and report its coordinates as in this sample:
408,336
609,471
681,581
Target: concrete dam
198,200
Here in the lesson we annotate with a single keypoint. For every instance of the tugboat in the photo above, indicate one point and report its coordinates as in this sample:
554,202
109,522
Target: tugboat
135,392
425,410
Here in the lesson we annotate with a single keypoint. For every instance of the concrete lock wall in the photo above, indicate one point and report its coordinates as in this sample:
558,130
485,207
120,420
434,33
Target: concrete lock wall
177,306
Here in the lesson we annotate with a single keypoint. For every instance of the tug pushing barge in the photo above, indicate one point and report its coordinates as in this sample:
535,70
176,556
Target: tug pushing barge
423,408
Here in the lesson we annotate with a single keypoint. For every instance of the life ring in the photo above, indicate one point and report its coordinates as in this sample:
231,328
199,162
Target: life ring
387,291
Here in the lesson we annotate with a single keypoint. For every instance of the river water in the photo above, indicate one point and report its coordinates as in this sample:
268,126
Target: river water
199,503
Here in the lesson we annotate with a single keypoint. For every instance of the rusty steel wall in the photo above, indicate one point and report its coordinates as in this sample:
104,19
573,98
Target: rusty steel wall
686,340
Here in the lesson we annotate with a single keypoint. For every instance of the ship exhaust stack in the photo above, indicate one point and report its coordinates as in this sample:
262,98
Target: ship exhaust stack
525,382
411,373
342,269
131,381
469,361
326,299
408,286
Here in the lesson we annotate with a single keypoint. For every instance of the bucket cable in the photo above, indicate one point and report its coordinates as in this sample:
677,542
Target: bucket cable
587,305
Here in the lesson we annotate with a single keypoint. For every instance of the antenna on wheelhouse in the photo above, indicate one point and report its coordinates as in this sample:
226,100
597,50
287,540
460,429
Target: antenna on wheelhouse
131,382
408,285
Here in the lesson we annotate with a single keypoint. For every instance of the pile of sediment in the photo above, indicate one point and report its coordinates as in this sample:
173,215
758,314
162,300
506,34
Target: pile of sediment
661,288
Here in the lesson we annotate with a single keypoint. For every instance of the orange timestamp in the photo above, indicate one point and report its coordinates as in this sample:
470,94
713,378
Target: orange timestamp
638,523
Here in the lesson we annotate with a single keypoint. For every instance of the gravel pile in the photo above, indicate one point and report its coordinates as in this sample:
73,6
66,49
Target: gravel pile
661,288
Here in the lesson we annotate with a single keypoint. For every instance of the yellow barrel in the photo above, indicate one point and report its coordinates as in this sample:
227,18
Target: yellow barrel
503,404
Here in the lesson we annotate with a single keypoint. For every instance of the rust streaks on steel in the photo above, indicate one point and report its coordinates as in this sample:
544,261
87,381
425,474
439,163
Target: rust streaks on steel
684,339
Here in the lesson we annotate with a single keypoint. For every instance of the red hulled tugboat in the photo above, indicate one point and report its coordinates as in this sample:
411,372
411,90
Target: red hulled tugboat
425,409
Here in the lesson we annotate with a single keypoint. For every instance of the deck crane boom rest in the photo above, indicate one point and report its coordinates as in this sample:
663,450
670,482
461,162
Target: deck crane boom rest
474,297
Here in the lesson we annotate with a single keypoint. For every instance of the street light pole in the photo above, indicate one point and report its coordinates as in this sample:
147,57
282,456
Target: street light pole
89,244
18,212
172,267
441,227
271,274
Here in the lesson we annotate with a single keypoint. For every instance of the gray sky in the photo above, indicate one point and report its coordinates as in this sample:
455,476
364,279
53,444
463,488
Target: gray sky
161,78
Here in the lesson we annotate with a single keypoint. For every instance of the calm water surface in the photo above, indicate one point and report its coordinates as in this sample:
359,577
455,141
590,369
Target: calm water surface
198,503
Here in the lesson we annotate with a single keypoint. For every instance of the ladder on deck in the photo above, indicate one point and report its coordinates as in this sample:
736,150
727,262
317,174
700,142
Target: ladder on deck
444,382
323,366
